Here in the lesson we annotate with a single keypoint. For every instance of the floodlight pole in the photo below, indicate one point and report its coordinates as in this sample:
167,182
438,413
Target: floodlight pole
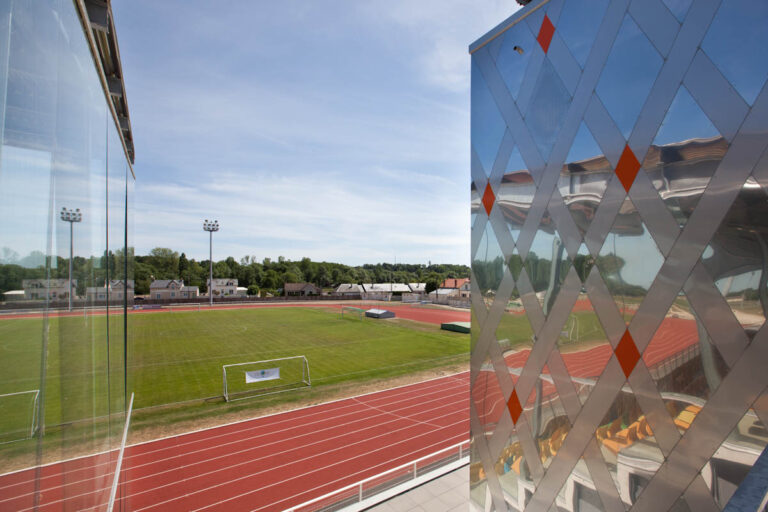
210,227
71,216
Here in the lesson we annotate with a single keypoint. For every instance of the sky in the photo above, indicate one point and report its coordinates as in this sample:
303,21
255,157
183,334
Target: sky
334,130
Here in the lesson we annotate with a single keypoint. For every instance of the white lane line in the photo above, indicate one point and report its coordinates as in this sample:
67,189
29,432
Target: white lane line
207,440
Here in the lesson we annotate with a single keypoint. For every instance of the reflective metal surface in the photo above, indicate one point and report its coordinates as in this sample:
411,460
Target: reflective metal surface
619,338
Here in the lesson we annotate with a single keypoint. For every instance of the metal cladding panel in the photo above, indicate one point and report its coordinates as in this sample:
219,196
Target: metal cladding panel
620,257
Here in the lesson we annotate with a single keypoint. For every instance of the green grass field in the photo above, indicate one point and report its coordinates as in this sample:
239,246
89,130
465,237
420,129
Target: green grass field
177,357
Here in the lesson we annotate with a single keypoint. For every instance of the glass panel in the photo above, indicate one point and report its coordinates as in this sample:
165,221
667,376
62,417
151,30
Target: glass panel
736,43
547,263
629,260
487,124
684,363
53,196
488,265
685,154
679,8
627,444
578,26
515,194
514,55
546,417
584,178
628,75
737,256
548,107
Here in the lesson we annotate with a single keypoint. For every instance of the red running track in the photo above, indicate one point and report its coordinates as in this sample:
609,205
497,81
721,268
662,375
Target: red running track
264,464
410,312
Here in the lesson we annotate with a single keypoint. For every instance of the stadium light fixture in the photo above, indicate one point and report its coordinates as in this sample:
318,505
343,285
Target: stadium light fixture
210,227
71,216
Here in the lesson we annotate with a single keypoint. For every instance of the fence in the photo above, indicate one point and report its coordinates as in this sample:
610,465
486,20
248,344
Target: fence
375,489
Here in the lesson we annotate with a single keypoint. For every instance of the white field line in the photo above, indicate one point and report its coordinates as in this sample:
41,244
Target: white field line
261,446
254,420
207,440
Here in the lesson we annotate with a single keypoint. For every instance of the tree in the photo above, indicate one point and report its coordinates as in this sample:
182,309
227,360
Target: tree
253,290
165,263
183,265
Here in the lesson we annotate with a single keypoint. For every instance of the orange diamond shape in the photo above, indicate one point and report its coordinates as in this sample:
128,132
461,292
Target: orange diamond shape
488,198
513,404
546,32
627,168
627,354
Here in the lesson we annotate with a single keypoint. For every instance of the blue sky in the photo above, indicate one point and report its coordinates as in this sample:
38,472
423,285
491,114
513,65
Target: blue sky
334,130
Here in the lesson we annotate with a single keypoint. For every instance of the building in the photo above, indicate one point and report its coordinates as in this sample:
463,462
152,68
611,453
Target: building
114,291
301,289
453,283
465,289
418,288
67,145
619,181
51,289
349,290
223,287
166,289
384,291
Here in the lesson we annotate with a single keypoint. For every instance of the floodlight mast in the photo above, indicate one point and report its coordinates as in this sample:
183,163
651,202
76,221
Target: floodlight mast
210,227
71,216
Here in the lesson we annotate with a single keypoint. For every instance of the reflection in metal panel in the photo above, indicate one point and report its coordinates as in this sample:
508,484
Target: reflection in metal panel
620,257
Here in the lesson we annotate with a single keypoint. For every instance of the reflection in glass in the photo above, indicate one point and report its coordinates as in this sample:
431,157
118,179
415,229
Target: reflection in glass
684,363
578,26
627,444
737,256
546,263
488,265
514,54
547,109
684,155
55,128
487,124
629,260
584,178
628,75
739,57
584,347
515,194
734,460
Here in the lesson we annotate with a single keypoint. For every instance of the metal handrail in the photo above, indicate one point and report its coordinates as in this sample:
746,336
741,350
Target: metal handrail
359,485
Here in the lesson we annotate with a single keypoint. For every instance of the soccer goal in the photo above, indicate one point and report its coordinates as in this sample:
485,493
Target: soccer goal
19,418
257,378
352,313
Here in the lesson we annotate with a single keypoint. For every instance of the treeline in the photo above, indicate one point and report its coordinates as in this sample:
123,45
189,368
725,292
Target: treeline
266,275
270,275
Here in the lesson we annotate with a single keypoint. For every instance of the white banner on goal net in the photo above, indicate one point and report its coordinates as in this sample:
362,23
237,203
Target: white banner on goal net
262,375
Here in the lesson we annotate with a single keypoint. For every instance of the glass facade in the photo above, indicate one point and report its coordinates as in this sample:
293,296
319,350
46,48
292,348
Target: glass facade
66,270
620,257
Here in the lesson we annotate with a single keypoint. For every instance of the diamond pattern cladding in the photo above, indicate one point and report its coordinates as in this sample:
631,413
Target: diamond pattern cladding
620,257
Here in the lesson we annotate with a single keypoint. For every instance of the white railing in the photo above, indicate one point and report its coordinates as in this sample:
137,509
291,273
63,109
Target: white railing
377,488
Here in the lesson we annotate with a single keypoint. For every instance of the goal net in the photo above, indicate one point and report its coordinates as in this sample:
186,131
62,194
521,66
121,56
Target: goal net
352,313
257,378
19,418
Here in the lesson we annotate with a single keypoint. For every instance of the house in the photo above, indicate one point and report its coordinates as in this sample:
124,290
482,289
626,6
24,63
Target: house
301,289
190,292
165,289
114,290
349,290
52,289
454,283
223,287
464,290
